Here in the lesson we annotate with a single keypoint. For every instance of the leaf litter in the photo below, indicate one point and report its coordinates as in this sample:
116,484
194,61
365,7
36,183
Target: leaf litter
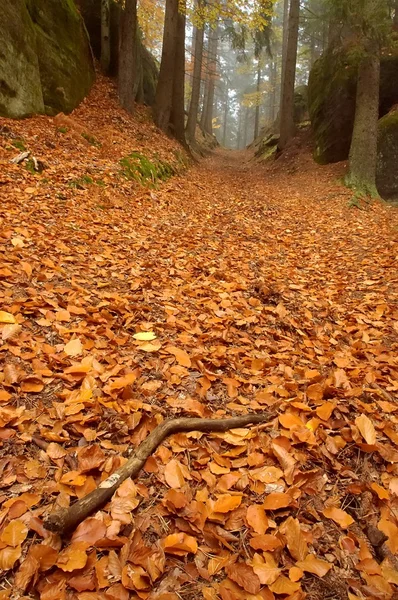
232,289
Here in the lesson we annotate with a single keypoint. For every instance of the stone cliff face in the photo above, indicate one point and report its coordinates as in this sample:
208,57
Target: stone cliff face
46,64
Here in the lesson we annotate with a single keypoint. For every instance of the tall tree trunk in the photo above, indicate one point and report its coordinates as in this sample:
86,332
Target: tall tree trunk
239,134
257,115
273,91
363,152
246,127
287,101
225,124
196,81
285,37
213,44
177,116
164,91
105,36
128,81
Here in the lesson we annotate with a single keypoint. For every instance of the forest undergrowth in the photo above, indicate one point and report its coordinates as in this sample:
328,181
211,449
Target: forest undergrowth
230,288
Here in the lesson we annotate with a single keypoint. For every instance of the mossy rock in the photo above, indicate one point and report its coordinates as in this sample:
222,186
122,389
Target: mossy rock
332,96
387,156
64,54
20,86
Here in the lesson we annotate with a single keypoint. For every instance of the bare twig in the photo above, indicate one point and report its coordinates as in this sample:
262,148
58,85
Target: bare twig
68,518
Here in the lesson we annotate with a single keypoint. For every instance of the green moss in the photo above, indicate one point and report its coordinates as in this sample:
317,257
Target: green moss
81,182
91,140
19,144
146,171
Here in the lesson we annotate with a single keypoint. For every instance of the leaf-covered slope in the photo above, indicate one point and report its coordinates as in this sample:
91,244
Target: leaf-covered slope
224,291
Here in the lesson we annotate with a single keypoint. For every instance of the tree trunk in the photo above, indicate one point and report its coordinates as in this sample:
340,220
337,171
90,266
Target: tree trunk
177,116
213,43
239,134
363,152
246,127
164,91
287,101
127,81
285,37
196,81
257,116
273,91
225,124
105,37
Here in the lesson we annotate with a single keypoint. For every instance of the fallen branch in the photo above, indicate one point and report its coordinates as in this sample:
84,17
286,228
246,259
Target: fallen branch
67,519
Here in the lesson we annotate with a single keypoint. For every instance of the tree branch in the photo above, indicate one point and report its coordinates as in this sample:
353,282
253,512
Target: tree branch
67,519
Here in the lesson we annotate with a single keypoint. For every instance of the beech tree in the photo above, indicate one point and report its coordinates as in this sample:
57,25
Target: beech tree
196,79
128,80
169,102
288,77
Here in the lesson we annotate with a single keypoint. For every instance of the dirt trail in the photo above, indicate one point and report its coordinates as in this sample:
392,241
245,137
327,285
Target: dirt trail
258,287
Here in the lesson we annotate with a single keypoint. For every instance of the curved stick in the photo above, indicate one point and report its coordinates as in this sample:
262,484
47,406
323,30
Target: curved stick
67,519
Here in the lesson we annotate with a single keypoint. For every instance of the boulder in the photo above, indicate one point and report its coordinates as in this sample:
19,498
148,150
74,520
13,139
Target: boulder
20,87
301,104
387,156
64,54
45,57
332,95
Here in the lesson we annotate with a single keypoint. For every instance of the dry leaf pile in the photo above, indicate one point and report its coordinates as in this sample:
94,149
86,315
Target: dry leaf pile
230,289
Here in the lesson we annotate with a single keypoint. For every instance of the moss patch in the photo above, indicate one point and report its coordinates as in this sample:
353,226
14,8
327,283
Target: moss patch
387,156
147,171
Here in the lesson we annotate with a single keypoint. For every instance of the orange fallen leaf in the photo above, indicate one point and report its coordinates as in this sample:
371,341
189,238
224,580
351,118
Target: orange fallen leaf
73,557
226,502
90,530
296,542
257,519
366,428
9,556
180,544
181,356
6,317
338,516
73,348
173,474
314,565
277,500
14,533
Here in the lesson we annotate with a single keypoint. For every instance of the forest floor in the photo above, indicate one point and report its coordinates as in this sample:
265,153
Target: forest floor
231,288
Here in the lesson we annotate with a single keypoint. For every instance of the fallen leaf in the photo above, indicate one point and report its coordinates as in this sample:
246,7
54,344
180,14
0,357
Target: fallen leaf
14,533
277,500
73,557
314,565
6,317
366,428
257,519
145,336
173,474
73,348
338,516
180,544
181,356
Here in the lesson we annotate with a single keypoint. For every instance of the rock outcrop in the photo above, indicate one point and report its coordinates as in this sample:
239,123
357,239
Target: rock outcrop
387,156
332,96
46,64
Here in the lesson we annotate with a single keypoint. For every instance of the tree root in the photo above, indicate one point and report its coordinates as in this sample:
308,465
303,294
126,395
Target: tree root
67,519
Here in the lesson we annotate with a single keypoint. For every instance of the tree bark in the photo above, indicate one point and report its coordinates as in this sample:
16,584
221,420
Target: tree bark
105,37
196,81
177,116
127,80
273,91
225,123
257,115
363,151
395,18
239,134
212,67
285,37
287,101
164,91
67,519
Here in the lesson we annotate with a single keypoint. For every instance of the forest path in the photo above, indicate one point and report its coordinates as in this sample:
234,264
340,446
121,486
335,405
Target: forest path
231,288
